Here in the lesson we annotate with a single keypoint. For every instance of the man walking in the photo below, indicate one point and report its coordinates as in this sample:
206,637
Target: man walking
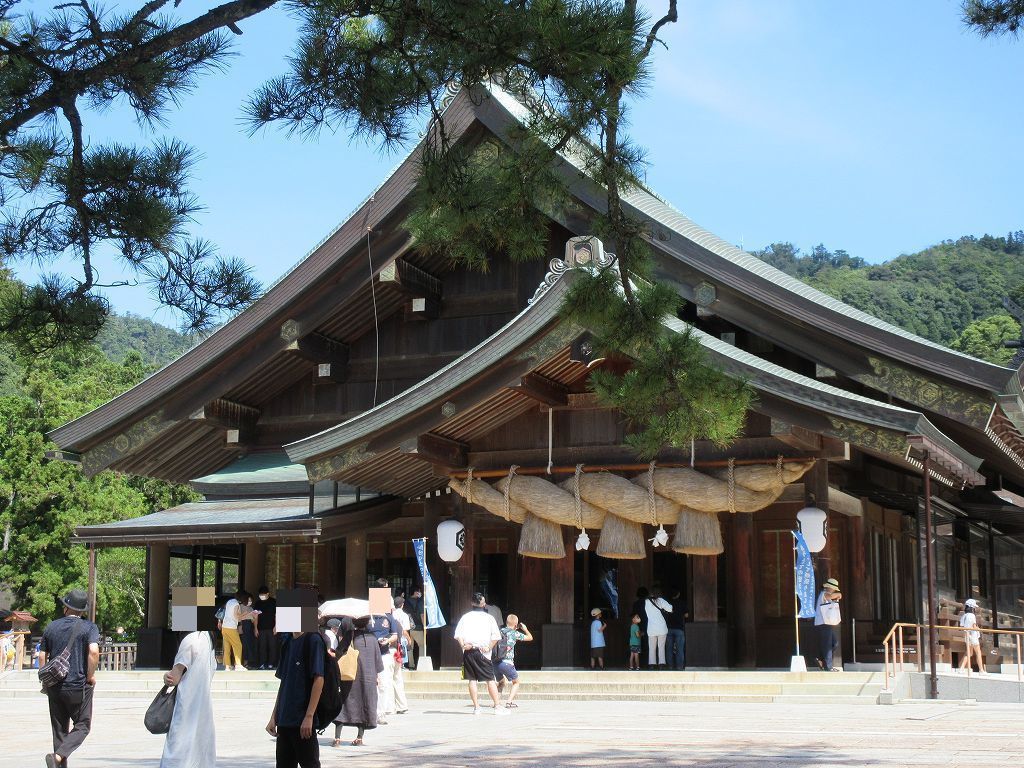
71,700
477,633
301,673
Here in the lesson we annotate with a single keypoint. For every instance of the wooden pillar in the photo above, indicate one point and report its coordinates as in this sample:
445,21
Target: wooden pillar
463,574
159,585
558,651
355,565
563,581
741,604
705,588
255,567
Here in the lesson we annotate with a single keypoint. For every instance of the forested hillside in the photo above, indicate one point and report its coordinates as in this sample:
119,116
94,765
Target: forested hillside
950,293
157,344
41,501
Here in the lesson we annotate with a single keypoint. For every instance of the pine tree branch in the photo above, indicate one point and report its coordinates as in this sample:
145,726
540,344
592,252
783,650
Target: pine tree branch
75,82
76,191
671,16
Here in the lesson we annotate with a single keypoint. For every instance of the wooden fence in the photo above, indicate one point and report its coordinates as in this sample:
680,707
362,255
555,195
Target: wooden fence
117,657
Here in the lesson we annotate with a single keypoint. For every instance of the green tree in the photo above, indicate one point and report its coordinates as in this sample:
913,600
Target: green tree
994,17
42,502
984,338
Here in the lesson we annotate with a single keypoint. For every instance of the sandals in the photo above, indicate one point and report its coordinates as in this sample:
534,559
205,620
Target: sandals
511,705
336,743
357,742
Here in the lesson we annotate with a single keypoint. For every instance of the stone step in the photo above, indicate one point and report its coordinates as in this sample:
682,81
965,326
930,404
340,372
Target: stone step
525,696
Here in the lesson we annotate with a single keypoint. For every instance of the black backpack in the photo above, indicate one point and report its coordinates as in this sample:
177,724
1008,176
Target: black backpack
330,698
500,648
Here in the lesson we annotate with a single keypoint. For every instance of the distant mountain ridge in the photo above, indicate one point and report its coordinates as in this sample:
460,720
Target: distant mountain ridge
950,293
156,344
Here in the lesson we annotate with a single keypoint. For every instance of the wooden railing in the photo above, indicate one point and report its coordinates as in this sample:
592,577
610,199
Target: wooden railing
896,649
117,657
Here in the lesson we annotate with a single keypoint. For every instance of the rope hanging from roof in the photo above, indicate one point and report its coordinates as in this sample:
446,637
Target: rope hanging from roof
583,540
620,506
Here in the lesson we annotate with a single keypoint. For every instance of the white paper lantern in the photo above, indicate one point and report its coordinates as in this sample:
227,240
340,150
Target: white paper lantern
813,525
451,540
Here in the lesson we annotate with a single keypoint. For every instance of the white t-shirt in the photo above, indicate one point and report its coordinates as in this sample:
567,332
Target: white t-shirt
478,629
403,618
967,621
230,620
819,616
656,624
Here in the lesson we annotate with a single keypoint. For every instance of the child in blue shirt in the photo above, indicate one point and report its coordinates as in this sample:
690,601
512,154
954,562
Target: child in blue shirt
597,628
634,643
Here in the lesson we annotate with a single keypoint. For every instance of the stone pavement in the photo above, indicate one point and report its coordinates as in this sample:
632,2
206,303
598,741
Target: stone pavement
439,733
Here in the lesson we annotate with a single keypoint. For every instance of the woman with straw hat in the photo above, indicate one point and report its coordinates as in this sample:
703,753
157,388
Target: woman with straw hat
826,619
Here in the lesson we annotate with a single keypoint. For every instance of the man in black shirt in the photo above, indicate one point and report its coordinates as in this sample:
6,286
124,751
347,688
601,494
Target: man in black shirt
675,650
71,700
266,639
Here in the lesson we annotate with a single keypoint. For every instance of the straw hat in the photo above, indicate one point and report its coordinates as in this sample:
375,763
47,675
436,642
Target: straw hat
595,612
832,584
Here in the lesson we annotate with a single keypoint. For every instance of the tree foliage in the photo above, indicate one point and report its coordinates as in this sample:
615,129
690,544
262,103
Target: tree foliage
935,293
994,17
63,197
984,338
41,502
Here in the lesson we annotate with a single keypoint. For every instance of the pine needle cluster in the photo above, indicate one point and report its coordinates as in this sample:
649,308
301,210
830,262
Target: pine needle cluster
670,394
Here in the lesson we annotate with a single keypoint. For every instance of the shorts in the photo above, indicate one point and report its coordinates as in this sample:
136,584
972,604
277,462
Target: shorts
476,666
597,653
506,669
634,649
973,641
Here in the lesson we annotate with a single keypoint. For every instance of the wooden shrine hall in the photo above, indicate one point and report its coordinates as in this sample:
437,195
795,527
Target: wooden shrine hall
320,458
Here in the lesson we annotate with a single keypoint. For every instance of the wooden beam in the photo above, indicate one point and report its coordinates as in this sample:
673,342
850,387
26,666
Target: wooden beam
328,355
441,450
411,280
228,414
763,448
543,390
796,437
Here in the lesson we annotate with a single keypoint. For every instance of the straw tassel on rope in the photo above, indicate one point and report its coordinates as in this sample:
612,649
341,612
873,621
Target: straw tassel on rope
583,540
661,537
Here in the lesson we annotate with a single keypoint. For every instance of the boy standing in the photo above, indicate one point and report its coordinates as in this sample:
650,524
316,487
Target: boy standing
301,673
597,628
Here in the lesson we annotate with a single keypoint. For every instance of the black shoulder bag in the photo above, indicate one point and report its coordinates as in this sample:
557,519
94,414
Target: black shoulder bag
54,671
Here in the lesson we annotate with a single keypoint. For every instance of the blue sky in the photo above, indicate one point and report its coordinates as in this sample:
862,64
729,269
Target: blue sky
876,127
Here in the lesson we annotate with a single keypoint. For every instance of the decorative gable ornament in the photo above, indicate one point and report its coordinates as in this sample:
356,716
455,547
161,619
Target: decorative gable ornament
582,252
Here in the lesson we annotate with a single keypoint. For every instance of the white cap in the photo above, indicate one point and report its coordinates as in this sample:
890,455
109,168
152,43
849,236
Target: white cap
970,603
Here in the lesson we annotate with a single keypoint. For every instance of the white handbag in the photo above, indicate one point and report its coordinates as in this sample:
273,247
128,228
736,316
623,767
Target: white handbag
830,614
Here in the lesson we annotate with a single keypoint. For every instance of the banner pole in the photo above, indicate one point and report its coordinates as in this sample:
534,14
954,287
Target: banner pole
796,601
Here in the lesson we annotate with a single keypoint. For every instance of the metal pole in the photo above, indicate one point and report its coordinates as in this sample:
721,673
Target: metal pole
929,564
853,630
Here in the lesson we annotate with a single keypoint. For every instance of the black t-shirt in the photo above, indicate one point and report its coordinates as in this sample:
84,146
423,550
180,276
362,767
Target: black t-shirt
55,640
268,615
383,627
302,660
677,619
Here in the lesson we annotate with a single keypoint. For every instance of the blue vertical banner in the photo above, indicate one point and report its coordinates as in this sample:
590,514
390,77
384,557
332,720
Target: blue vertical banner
803,572
434,618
